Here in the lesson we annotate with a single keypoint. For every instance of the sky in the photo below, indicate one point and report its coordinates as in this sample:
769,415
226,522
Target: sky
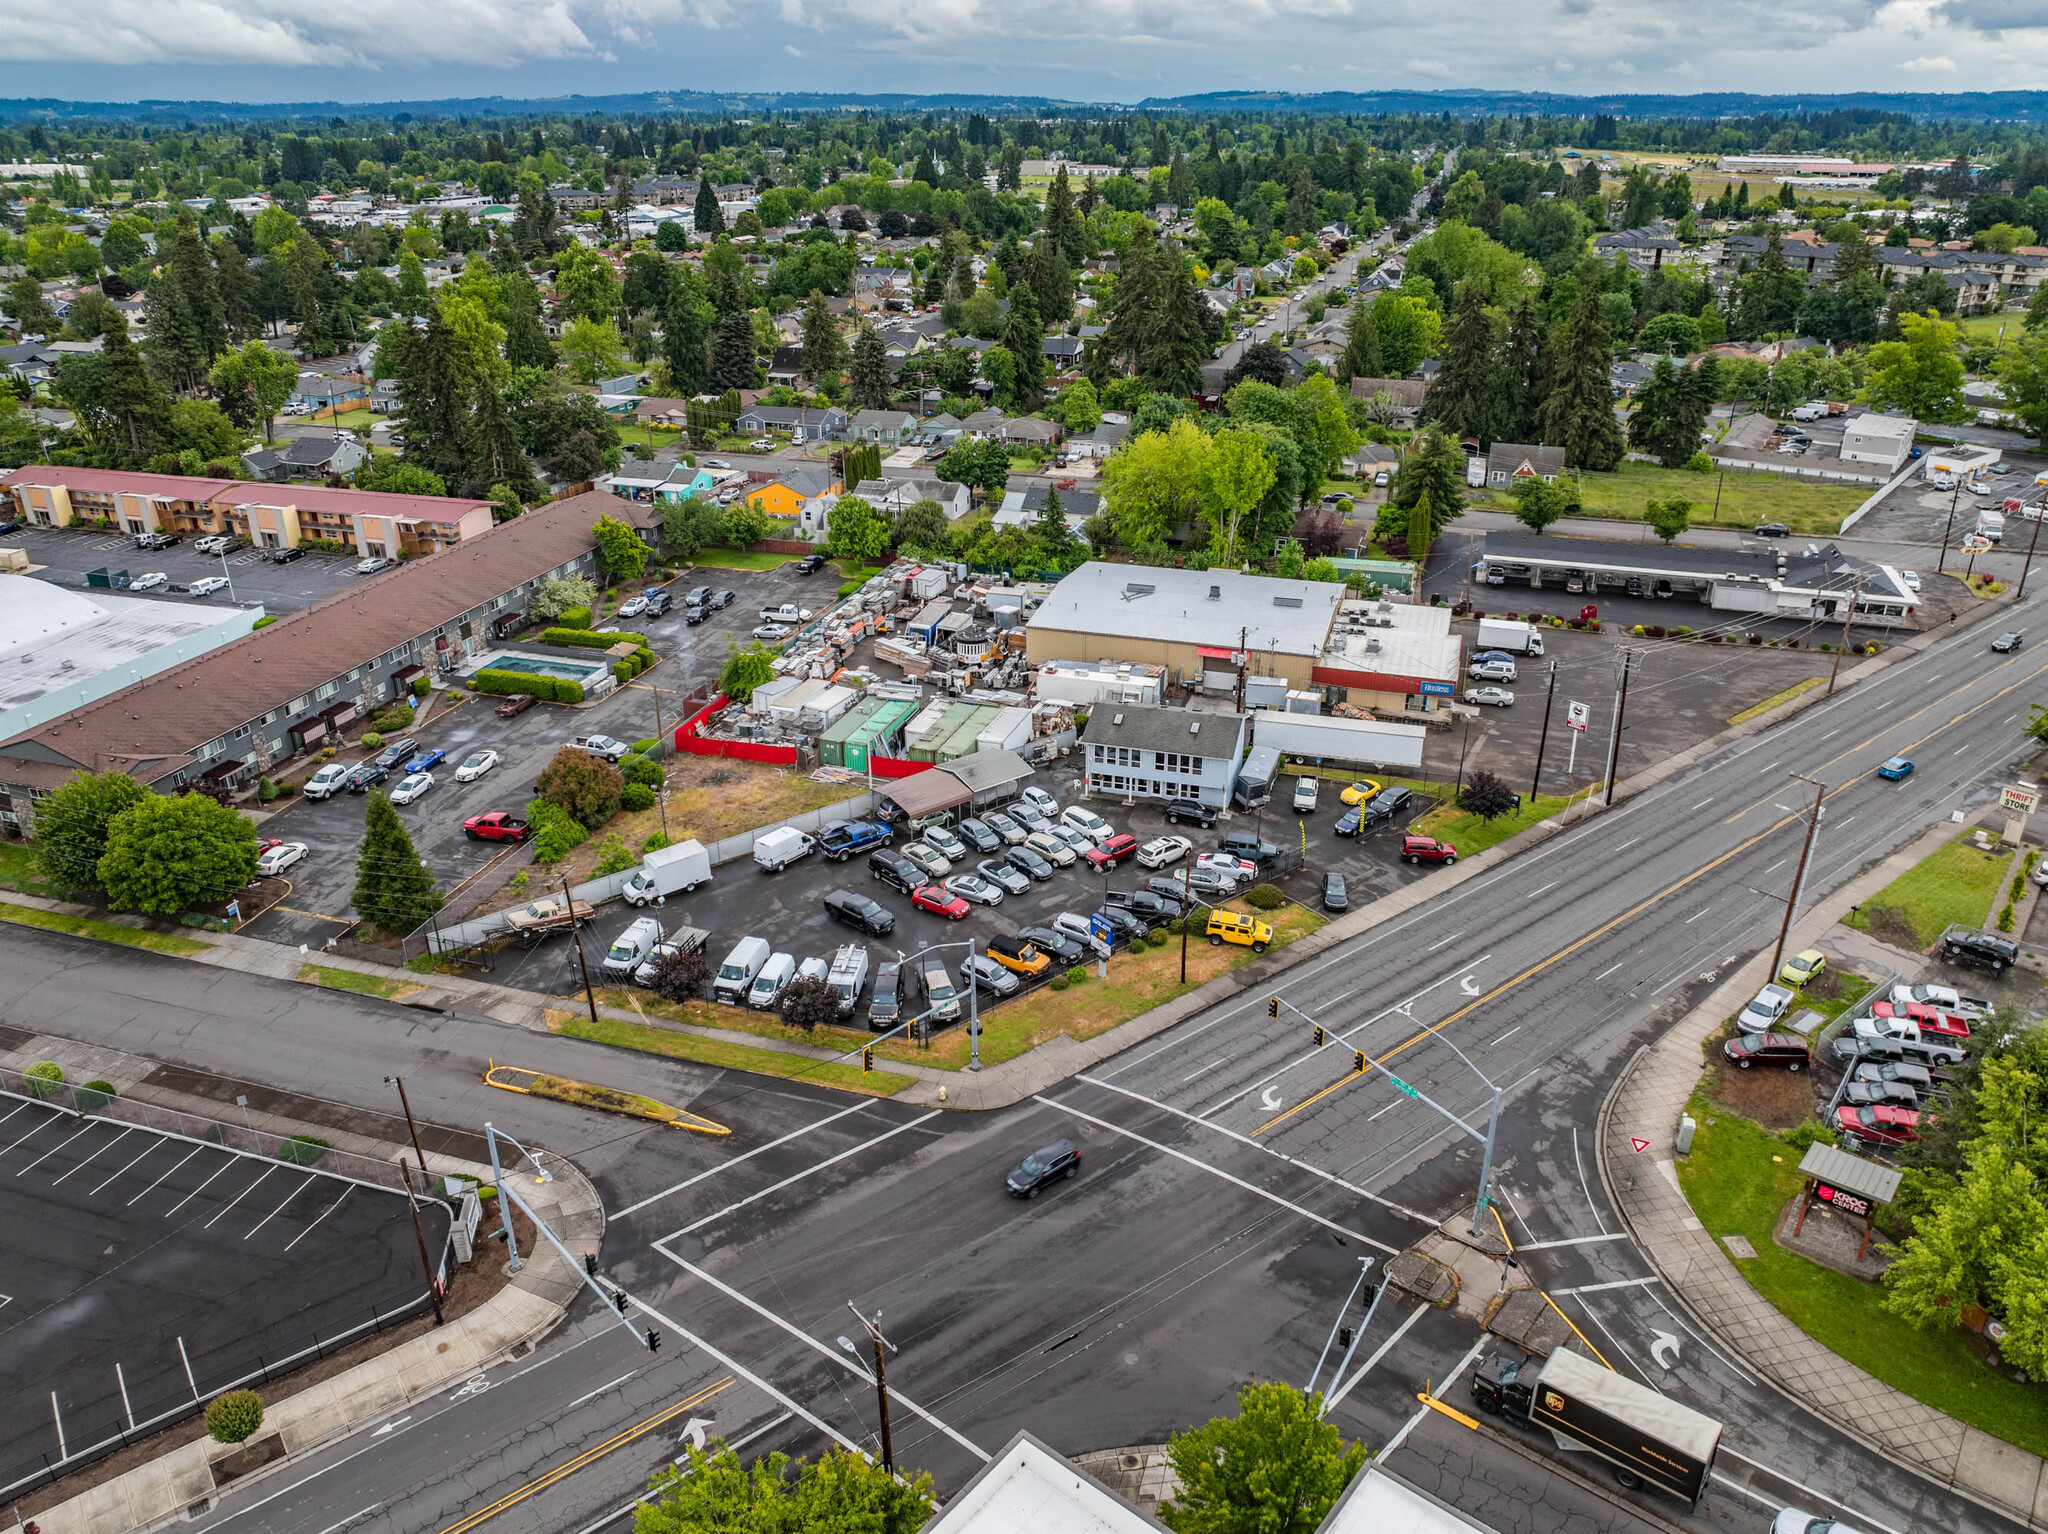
1089,50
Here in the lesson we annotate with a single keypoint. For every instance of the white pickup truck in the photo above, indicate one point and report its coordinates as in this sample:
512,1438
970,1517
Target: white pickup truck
601,745
788,612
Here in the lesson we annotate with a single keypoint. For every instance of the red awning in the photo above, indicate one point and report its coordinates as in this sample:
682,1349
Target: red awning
1214,652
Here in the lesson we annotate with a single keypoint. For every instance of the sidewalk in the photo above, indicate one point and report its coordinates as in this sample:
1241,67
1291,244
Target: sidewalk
1646,1103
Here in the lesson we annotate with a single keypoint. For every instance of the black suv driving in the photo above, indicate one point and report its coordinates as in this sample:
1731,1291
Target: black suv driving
860,913
895,869
1059,1159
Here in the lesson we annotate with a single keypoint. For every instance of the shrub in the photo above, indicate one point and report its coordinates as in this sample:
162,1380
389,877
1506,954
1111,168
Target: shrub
372,740
507,683
265,791
1825,647
397,717
1058,982
575,617
263,622
421,687
1681,632
680,976
589,639
645,746
301,1150
235,1416
848,588
567,691
1077,974
104,1087
614,857
637,796
555,831
808,1003
1264,897
43,1078
2006,917
637,769
1637,631
654,843
1800,1136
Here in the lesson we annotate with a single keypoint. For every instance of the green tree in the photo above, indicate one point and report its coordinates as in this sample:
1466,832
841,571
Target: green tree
34,316
922,526
691,526
129,399
1955,1255
744,670
1077,407
397,476
777,1495
709,217
732,352
1275,1468
1436,470
1361,355
1236,474
234,1416
1422,530
1153,483
557,594
1486,795
526,336
2022,373
1669,518
868,384
1409,333
593,349
167,855
1024,335
1920,374
253,383
1578,412
72,824
586,285
1537,503
394,889
1465,394
856,531
621,554
686,334
588,788
824,348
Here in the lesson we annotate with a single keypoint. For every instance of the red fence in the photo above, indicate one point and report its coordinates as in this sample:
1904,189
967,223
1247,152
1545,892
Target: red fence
687,739
896,767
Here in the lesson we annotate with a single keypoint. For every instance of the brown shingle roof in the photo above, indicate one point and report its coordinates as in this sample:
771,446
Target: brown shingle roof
179,710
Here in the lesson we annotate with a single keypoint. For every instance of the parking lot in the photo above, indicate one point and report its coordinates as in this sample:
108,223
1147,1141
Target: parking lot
147,1272
315,907
66,554
1918,513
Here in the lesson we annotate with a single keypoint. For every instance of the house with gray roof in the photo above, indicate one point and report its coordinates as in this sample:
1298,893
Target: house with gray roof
892,426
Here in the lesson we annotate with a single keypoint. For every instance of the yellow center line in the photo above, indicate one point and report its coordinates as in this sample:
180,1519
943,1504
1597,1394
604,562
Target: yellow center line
589,1456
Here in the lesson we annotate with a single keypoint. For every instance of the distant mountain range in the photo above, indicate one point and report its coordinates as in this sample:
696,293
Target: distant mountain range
1965,106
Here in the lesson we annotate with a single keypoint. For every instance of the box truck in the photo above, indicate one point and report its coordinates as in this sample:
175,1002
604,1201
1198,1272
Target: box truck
1515,638
668,871
1649,1439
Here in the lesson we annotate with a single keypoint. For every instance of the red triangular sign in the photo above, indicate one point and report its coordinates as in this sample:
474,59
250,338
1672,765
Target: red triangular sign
1640,1145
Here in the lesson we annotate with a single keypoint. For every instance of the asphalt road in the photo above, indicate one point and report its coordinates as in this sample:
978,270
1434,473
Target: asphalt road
1222,1163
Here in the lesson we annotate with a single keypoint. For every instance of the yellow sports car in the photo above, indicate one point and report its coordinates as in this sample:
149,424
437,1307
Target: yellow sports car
1361,791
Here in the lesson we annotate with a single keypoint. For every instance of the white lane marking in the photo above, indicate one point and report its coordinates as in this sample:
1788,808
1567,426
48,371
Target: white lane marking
1883,1528
117,1176
607,1385
1539,1246
1415,1421
195,1150
1366,1367
1205,1069
1306,1166
1609,970
795,1177
1252,1188
353,1518
655,1198
1506,1036
1831,734
1959,750
1626,845
1584,1186
89,1159
1619,1283
1696,916
1433,947
1704,802
345,1192
1779,864
838,1357
1553,884
606,1520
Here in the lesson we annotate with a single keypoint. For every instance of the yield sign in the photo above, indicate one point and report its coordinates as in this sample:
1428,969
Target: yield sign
1640,1145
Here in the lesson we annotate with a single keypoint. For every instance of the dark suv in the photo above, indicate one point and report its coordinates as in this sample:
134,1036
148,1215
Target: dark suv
885,1008
1059,1159
860,913
1246,844
397,753
1967,945
1190,812
1149,907
1384,806
658,601
894,868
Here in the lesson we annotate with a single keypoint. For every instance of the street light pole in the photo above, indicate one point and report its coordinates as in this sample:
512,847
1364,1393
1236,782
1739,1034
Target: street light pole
1620,708
1948,527
874,1329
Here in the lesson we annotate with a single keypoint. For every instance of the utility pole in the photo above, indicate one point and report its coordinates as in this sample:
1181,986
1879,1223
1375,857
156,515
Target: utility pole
2039,513
1543,739
881,1381
582,963
1243,657
406,1103
1464,744
1721,480
661,794
1855,592
1185,908
1620,709
1820,791
1948,528
418,1230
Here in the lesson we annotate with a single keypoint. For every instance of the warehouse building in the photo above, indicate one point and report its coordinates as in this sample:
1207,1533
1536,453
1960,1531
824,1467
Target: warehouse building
1772,583
1195,623
1392,660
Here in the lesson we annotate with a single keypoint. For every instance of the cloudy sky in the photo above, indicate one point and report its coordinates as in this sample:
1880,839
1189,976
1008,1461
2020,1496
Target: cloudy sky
1112,50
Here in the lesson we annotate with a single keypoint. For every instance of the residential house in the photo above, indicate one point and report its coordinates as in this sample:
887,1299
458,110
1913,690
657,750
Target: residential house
1028,429
894,493
808,421
1021,508
787,365
316,454
787,494
1508,462
1405,394
983,423
1647,248
892,426
654,410
1134,751
1063,352
1101,442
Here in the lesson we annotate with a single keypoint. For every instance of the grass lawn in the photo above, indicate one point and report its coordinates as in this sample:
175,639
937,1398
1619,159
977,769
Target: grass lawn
1469,834
1986,327
1774,700
1746,498
1737,1179
18,870
388,987
1955,884
716,1052
105,931
741,559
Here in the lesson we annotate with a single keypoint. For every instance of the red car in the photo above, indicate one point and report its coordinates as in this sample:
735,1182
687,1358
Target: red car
1111,852
265,843
940,902
1427,849
1878,1123
1930,1019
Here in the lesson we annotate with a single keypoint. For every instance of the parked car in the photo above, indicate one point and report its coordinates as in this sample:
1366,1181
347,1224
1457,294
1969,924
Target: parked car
207,585
1028,860
215,543
1305,796
150,581
1004,876
1168,887
1861,1093
1246,847
978,836
373,564
1803,966
1162,850
1040,801
1492,697
1427,849
1968,945
330,779
286,556
765,994
1877,1124
601,745
1226,864
366,775
1126,924
722,598
885,1004
1384,808
940,901
658,601
427,760
277,859
698,596
1929,1020
1896,768
1785,1050
1051,848
1945,997
858,911
516,705
1233,927
1007,830
1336,895
1062,948
1149,909
412,787
893,868
975,890
1349,822
1189,812
984,974
1082,931
1764,1009
1112,852
1046,1164
1074,839
1916,1078
632,607
1030,817
1491,671
396,753
843,838
1773,530
772,633
935,863
948,846
1087,822
497,826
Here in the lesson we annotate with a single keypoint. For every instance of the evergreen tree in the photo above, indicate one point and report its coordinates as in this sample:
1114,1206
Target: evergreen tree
824,348
188,263
394,889
1770,295
430,392
934,290
1434,473
1024,335
1361,355
1521,376
709,218
1176,344
1845,308
869,385
1577,413
237,290
1464,397
134,406
1656,406
1064,227
1123,338
686,335
175,352
1421,529
732,352
526,337
1051,281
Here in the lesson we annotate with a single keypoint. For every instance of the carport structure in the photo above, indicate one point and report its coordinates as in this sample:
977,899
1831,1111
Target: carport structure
979,779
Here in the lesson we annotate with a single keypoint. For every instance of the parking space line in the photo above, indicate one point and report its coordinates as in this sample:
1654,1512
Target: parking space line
301,1188
195,1150
43,1124
115,1177
124,1134
46,1155
345,1192
238,1198
181,1203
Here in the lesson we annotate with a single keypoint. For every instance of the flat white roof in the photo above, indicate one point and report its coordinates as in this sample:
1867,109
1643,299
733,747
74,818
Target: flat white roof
1377,1503
1894,426
1175,607
1029,1489
1419,642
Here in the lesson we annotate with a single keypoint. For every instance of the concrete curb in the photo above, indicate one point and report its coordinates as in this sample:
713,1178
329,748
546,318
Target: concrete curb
516,1317
1701,1276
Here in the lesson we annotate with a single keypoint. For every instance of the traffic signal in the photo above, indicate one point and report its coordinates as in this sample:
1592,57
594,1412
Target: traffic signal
1358,1061
1321,1038
619,1301
867,1057
1344,1338
653,1340
590,1263
1272,1006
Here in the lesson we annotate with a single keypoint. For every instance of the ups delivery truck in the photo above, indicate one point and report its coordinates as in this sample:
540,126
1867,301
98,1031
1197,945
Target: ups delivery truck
1649,1439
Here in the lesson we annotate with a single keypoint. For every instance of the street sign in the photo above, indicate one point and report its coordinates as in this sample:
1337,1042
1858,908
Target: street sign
1576,715
1403,1087
2019,798
1639,1145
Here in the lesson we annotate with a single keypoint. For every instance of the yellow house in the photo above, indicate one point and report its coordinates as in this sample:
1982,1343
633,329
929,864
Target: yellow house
787,496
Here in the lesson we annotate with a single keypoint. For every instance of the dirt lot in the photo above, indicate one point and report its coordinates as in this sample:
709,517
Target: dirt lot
1775,1099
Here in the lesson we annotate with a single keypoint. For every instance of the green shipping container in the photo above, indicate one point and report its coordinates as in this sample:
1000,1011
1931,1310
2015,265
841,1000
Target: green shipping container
832,744
876,733
963,740
949,722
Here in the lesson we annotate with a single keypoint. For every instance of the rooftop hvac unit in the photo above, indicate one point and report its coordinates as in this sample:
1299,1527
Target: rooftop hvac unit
1372,645
1215,593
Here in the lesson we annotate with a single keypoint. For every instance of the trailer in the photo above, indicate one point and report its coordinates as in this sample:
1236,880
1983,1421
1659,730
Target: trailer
1330,738
1649,1439
1254,785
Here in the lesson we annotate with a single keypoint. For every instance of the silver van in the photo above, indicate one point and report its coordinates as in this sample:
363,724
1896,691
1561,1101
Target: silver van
771,982
941,994
737,973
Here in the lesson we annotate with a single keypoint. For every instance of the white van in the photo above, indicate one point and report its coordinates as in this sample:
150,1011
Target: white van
631,948
737,973
327,780
771,982
1992,525
776,850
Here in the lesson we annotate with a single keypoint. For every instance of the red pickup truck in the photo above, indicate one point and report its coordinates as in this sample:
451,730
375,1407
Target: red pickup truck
497,826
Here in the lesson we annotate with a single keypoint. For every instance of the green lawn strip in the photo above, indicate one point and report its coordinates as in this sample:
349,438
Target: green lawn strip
1469,834
740,559
736,1057
18,870
105,931
1736,1188
1747,497
1954,884
351,980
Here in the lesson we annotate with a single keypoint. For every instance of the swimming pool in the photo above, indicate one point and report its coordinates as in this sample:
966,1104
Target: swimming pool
545,665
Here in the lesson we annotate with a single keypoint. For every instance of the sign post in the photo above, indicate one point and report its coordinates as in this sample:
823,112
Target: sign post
2018,800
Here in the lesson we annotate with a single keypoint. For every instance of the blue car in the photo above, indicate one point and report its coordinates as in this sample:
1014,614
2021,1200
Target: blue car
427,760
1347,823
843,838
1898,767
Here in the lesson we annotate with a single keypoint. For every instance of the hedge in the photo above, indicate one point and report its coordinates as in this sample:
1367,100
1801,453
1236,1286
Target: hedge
235,1416
574,617
567,691
511,682
584,639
